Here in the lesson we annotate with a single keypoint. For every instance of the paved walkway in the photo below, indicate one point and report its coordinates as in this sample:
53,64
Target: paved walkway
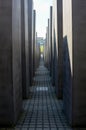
43,111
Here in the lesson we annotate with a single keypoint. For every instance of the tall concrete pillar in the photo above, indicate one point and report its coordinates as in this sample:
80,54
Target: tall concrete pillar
53,46
48,45
45,46
74,32
34,39
10,61
36,62
37,53
50,40
25,49
59,48
30,14
46,63
45,50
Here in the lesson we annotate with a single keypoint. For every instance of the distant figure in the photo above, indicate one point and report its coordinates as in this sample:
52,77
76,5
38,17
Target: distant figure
42,56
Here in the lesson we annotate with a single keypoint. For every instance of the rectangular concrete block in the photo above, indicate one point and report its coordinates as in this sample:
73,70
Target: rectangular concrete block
74,30
25,48
36,62
10,61
48,45
53,45
30,13
45,51
50,39
37,53
34,39
59,47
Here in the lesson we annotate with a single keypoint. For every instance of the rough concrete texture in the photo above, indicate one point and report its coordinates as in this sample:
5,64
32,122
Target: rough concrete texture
34,39
74,28
53,45
25,49
30,11
10,61
50,40
59,47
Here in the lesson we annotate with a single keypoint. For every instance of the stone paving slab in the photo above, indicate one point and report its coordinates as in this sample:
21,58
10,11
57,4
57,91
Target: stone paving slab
43,111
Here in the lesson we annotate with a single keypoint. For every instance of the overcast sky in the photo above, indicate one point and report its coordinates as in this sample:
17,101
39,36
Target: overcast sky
42,14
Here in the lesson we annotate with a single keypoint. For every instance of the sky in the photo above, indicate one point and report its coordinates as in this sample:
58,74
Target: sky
42,14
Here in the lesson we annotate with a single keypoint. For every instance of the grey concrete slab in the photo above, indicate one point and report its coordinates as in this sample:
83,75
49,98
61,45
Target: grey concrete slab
46,52
59,47
30,14
74,28
50,40
37,53
34,39
25,50
48,43
53,46
10,61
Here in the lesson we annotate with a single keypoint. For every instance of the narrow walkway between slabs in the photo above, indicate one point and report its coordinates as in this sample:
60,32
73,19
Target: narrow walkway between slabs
43,111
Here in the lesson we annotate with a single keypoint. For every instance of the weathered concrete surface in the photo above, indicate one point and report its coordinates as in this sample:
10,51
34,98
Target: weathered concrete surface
53,45
48,45
25,50
45,51
50,40
30,14
74,28
37,53
10,61
59,47
34,39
